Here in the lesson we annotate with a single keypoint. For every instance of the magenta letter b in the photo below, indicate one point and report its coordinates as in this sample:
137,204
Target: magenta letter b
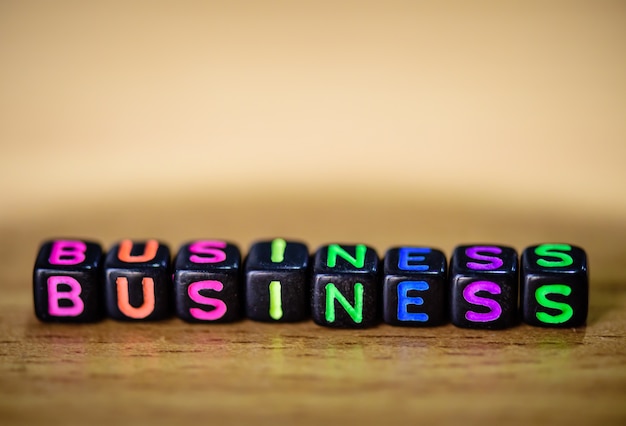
67,252
54,295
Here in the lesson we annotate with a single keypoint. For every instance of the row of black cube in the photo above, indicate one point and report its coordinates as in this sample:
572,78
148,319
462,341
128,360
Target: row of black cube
483,286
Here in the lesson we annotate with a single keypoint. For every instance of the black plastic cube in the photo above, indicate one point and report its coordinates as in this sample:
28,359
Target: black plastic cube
414,287
207,285
484,286
345,290
276,281
67,281
554,286
138,282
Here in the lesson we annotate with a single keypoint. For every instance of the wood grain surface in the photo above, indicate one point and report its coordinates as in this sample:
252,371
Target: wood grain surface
172,372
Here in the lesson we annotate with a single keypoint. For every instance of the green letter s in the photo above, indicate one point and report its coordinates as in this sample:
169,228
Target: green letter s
551,250
566,310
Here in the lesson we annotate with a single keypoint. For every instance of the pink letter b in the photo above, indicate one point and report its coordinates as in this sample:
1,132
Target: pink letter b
54,295
67,252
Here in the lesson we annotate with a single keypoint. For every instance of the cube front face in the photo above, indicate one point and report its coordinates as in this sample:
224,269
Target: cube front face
207,284
67,281
277,296
484,286
138,281
276,280
414,287
554,286
344,288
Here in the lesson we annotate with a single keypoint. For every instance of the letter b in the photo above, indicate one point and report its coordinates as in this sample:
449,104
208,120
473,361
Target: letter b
67,281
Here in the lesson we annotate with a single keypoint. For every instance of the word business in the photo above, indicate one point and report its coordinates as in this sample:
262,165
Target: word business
346,286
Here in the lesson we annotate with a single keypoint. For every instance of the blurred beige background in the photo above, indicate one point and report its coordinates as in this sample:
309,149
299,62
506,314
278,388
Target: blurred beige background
516,104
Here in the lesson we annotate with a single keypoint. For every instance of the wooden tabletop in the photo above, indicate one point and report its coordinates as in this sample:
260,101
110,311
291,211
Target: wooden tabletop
249,372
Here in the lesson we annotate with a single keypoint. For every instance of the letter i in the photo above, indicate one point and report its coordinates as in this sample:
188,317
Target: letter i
276,308
278,255
278,250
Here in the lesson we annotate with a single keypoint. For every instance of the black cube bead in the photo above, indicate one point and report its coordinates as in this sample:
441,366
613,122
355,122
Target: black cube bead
67,281
207,281
277,287
414,286
138,284
554,286
484,286
345,289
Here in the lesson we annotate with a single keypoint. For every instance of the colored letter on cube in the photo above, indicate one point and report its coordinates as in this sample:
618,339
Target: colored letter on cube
414,287
484,286
137,281
277,287
554,286
345,286
67,281
206,281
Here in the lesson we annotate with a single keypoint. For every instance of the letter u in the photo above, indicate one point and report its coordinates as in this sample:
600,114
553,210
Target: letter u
123,300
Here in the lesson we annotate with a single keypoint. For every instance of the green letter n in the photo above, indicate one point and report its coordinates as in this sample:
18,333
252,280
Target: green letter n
332,294
334,250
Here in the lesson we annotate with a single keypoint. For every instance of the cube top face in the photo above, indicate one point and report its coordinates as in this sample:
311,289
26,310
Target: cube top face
208,255
138,255
554,259
414,260
277,254
345,259
64,254
480,259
